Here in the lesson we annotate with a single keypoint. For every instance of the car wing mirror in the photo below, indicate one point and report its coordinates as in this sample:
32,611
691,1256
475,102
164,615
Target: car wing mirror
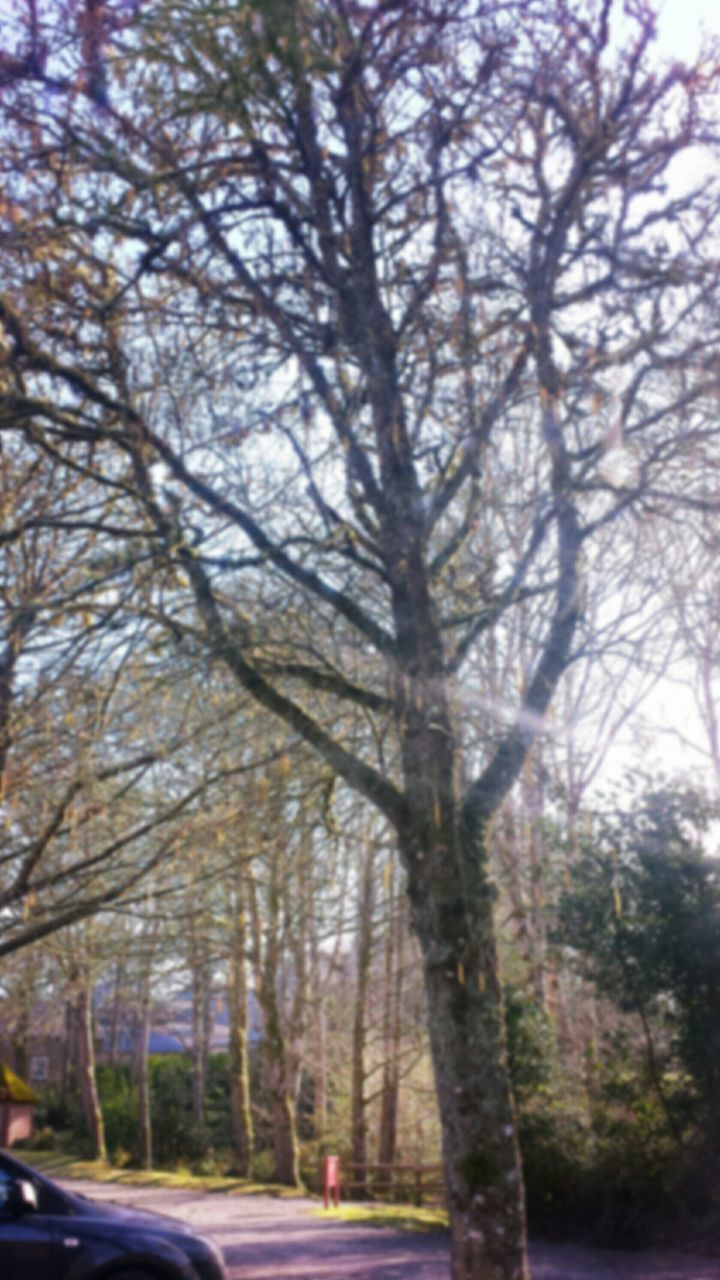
24,1197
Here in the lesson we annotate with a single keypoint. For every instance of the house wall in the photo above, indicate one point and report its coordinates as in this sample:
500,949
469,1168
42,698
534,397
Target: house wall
45,1059
16,1122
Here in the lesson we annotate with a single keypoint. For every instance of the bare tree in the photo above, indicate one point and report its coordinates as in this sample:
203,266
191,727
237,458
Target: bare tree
324,270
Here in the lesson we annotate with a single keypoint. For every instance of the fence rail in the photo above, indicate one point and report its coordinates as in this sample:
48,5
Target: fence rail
416,1184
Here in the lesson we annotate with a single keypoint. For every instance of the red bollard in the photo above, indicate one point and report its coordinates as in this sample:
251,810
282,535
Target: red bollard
331,1180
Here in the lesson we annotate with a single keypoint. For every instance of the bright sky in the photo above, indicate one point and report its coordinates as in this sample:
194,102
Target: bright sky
681,21
680,25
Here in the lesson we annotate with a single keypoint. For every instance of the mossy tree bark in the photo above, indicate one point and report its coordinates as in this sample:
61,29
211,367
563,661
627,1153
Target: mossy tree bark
201,1000
86,1074
143,1076
148,942
238,1058
392,1027
281,1067
363,960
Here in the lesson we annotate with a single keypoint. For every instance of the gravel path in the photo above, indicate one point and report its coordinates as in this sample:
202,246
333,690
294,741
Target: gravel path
268,1239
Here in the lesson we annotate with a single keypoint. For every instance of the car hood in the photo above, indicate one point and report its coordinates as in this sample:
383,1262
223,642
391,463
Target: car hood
143,1219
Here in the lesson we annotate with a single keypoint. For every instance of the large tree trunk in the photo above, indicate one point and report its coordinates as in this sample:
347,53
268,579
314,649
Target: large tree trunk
480,1148
443,844
86,1071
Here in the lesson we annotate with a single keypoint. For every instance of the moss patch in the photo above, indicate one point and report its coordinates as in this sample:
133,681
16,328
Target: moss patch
479,1170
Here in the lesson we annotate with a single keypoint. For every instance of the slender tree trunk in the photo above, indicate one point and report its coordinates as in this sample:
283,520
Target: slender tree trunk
17,630
295,928
317,1024
239,1066
68,1050
143,1071
392,1022
20,1043
116,1011
323,964
358,1122
533,807
286,1151
320,1097
87,1078
200,1009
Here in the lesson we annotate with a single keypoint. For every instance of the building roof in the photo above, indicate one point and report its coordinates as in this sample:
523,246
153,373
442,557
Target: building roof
13,1089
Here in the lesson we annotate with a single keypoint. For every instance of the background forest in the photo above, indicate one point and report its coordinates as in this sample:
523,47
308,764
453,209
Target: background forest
359,664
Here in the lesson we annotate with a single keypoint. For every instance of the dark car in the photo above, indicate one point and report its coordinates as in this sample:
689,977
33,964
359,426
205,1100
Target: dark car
47,1233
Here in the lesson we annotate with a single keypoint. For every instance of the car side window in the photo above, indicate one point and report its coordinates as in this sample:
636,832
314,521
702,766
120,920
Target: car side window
48,1200
6,1185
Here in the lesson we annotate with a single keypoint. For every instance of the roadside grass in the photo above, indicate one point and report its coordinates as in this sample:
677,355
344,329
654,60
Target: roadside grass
58,1164
403,1217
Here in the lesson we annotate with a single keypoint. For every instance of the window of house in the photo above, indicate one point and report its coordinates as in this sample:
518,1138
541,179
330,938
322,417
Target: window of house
38,1068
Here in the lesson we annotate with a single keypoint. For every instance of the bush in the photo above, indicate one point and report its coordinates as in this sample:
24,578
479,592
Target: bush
311,1154
58,1110
119,1102
263,1166
600,1162
177,1136
44,1139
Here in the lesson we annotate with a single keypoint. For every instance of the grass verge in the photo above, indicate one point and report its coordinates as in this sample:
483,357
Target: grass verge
58,1164
404,1217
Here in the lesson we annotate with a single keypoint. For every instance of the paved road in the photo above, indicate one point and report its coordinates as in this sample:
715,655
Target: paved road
268,1239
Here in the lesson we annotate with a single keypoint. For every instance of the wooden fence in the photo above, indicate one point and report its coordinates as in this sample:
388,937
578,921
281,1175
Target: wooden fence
416,1184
